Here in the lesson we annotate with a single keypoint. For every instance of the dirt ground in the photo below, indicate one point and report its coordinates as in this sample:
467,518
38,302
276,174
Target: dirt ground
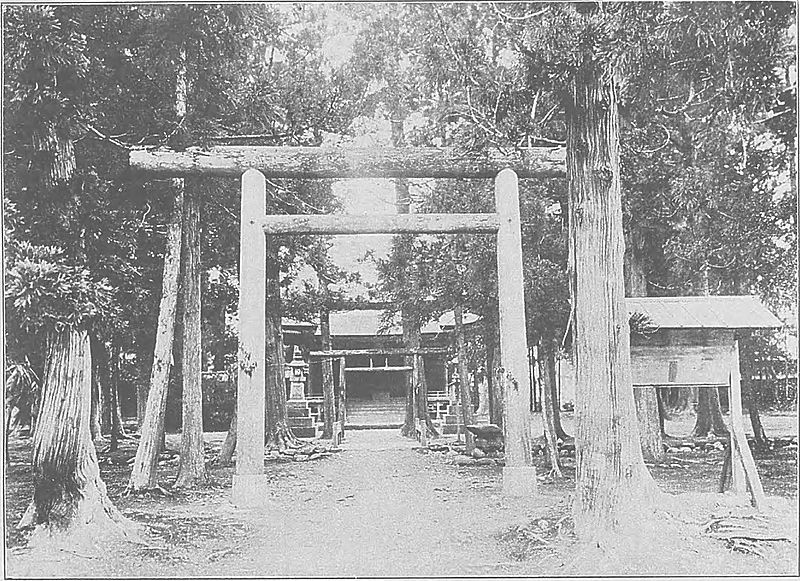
384,507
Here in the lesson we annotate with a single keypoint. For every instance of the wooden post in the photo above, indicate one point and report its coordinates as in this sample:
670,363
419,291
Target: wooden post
342,394
251,356
519,474
740,452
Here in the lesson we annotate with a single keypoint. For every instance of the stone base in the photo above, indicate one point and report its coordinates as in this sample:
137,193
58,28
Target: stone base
519,480
250,490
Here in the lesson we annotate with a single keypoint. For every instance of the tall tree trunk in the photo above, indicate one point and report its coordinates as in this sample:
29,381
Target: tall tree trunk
328,396
463,378
492,340
152,440
612,479
709,411
411,337
645,398
278,435
192,468
116,416
144,475
69,499
547,372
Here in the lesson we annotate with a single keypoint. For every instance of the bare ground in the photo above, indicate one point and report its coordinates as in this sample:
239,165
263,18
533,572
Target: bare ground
382,507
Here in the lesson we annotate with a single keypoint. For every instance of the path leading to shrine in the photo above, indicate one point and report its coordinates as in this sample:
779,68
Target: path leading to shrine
379,508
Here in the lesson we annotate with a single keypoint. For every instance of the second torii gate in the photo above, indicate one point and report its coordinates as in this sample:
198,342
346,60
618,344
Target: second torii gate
250,485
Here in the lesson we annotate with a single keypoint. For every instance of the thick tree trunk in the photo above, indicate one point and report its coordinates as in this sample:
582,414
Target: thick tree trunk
328,396
547,372
192,468
612,479
144,476
709,415
279,435
463,377
422,395
69,499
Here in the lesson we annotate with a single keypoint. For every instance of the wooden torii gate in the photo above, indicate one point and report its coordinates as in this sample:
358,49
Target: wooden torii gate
256,163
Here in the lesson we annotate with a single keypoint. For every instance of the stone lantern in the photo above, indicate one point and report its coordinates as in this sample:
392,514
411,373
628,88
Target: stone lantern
297,374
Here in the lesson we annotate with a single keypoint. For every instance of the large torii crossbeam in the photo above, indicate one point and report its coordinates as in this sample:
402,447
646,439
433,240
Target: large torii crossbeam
255,164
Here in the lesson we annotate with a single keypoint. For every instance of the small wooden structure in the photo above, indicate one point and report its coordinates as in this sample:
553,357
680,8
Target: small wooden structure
693,342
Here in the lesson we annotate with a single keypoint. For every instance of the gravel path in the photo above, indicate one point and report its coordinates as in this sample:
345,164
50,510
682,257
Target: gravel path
378,508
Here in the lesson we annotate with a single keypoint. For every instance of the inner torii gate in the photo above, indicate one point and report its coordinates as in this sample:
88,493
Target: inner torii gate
255,164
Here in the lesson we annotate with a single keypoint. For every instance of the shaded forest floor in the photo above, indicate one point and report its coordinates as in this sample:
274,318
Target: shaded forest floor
384,507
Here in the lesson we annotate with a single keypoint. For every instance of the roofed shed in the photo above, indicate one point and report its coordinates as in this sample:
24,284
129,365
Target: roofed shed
689,341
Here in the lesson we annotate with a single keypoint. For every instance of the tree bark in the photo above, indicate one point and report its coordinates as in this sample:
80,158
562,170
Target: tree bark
279,435
70,499
192,468
612,479
463,378
328,396
144,475
331,162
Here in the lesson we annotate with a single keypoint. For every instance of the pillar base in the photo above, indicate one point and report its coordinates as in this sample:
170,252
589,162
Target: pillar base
519,480
250,490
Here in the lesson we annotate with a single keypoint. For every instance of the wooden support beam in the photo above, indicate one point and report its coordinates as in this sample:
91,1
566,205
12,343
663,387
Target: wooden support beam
330,224
333,353
373,162
519,474
252,331
740,449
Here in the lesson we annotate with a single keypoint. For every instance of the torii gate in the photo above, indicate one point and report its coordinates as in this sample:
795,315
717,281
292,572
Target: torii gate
255,163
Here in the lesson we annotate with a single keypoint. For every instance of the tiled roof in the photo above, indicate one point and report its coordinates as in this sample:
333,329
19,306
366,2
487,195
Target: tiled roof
705,312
